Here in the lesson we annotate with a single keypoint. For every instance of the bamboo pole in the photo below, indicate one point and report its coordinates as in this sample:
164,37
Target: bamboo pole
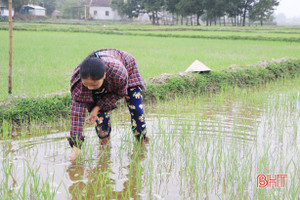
10,48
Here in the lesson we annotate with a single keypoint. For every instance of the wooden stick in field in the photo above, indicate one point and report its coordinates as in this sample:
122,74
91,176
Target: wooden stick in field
10,48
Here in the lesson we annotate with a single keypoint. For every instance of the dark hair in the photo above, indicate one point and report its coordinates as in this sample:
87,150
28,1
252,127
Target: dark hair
92,68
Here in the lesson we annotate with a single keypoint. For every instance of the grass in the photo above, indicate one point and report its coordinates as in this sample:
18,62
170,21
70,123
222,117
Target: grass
43,61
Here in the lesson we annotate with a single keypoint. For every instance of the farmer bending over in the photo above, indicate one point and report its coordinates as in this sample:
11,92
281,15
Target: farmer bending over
103,78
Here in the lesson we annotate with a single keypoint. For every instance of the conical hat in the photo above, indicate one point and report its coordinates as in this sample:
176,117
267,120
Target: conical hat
197,66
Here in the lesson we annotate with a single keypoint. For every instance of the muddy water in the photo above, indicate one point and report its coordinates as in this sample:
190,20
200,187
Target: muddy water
212,149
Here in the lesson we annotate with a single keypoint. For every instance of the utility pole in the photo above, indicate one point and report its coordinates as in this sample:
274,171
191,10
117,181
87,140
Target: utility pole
10,47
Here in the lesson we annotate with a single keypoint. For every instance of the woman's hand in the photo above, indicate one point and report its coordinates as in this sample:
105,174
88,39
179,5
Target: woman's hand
93,115
75,153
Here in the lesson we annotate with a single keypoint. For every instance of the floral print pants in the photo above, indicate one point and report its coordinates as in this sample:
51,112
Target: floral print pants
134,102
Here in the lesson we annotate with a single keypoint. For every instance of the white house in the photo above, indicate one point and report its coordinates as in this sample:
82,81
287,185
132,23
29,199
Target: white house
4,10
100,9
33,10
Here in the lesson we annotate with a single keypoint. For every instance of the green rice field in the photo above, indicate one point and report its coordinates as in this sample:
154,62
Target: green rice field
211,146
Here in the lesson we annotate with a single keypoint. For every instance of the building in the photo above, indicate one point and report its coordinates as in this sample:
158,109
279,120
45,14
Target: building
4,10
100,9
33,10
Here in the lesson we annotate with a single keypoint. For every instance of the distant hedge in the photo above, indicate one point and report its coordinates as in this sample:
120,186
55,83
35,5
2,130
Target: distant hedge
50,108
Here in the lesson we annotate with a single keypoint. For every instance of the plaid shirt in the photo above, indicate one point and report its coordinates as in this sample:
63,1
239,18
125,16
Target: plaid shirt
121,73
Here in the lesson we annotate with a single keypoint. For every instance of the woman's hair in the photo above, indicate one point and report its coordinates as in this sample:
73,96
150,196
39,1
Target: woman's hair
92,68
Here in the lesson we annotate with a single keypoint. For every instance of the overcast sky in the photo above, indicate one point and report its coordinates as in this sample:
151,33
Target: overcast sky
291,8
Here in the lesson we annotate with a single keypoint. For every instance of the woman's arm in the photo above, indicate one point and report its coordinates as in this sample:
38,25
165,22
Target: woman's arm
78,112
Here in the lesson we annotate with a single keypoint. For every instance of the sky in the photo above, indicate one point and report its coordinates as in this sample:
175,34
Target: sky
291,8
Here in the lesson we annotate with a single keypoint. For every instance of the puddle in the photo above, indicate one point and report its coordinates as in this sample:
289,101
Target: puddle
209,151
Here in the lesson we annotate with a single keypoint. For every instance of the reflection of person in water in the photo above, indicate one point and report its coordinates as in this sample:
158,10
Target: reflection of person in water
102,79
101,185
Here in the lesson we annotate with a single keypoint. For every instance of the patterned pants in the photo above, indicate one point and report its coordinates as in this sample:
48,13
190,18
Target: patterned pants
135,105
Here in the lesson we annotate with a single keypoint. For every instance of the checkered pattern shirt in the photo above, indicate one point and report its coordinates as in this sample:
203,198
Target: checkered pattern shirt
121,73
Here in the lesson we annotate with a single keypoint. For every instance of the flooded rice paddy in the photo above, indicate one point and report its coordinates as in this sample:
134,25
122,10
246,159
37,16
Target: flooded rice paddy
209,147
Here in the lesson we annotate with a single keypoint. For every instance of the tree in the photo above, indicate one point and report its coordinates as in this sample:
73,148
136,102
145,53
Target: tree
234,8
198,9
70,8
220,9
171,7
210,10
17,4
128,8
248,4
50,5
262,10
185,7
190,7
153,6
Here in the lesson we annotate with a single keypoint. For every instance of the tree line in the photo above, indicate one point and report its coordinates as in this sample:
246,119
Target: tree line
209,11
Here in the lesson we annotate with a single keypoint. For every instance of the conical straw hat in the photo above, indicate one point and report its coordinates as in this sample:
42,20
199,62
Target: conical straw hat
197,66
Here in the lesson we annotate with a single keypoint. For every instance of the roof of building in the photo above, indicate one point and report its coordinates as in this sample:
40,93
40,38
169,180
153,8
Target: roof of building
100,3
35,7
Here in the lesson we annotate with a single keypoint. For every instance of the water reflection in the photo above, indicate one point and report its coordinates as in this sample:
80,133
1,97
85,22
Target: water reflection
99,181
